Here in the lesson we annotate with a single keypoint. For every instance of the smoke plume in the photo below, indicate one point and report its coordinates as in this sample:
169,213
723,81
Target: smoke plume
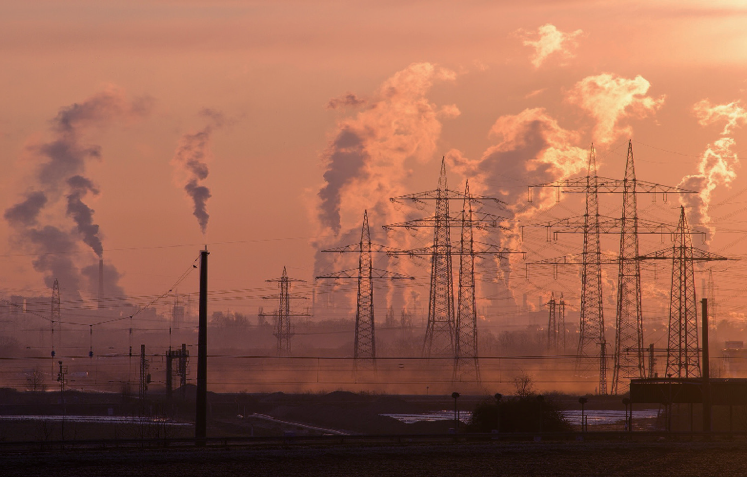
609,99
190,160
718,163
60,175
82,214
550,40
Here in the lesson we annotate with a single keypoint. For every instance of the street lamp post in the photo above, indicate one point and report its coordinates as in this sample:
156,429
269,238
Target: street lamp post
628,420
540,399
498,397
455,395
582,401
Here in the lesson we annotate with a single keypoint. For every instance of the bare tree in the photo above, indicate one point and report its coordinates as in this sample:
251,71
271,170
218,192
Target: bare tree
35,380
524,385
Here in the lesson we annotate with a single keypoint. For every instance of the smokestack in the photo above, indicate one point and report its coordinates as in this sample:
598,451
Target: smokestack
201,398
101,283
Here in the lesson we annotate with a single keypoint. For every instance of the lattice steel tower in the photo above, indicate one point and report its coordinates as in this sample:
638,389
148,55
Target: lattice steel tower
283,330
552,324
466,364
683,358
441,330
592,325
629,317
365,338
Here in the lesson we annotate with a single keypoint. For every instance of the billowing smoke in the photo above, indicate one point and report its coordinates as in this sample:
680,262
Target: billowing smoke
718,163
82,214
550,40
365,160
609,99
60,175
532,149
190,160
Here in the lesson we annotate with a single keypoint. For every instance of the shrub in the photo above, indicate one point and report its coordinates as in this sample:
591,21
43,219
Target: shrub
518,414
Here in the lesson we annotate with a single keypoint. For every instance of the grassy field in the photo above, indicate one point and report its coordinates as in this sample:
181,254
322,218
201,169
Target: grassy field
515,459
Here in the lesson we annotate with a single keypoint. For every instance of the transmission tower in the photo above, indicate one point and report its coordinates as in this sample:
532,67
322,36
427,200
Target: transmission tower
466,365
441,331
55,315
552,325
591,326
365,339
561,321
683,358
629,316
283,329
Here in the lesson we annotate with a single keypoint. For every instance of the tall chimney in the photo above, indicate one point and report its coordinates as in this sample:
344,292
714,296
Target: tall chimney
201,398
101,283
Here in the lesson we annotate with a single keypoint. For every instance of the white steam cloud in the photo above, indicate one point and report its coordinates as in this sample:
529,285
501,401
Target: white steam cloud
718,163
550,40
609,99
365,160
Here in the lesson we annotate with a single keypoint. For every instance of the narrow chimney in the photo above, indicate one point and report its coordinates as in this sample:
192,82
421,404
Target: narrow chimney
101,283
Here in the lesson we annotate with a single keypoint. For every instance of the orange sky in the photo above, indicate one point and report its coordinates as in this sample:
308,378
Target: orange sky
271,69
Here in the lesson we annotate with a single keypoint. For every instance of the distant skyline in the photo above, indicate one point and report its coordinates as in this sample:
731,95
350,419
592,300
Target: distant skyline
280,122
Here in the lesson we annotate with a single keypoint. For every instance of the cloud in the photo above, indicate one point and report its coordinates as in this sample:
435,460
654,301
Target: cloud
550,40
609,98
732,113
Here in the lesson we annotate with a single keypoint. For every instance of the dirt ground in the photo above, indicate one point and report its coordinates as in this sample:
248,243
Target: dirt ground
499,459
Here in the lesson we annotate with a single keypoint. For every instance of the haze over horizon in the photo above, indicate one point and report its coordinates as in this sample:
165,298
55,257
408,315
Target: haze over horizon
141,131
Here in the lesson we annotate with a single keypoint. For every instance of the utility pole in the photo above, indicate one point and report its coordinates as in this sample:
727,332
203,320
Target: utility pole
144,376
683,357
55,315
364,347
283,328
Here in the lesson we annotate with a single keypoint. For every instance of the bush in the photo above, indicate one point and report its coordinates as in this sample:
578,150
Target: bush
518,414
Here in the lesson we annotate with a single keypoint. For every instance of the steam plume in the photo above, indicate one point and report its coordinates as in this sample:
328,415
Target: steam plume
365,159
550,40
532,148
609,98
718,164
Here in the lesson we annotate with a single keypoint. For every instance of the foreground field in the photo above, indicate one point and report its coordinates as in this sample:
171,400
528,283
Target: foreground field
536,458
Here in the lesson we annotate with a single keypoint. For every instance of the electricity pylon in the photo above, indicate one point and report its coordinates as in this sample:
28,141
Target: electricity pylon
55,315
466,364
552,325
440,336
365,338
628,315
683,358
283,330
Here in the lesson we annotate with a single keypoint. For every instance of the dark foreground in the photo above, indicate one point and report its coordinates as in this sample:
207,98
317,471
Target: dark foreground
722,458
